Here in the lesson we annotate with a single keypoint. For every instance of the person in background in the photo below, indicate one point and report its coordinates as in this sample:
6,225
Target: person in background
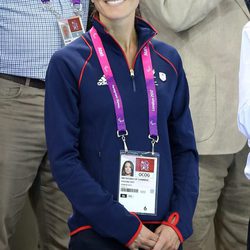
29,35
244,95
207,34
92,129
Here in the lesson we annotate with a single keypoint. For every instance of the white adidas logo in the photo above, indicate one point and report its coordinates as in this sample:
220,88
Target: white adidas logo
102,81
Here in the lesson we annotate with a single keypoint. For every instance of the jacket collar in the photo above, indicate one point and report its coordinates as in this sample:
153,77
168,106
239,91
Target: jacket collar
145,31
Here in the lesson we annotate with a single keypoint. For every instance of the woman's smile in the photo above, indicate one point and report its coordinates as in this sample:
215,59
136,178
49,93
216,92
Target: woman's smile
114,2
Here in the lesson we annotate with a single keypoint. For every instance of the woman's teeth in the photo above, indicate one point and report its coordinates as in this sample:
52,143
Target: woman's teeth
114,2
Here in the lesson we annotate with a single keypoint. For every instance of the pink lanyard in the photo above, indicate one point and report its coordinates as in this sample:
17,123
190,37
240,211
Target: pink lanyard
151,91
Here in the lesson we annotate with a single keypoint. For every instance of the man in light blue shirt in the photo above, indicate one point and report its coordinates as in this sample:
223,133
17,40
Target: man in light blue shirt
29,35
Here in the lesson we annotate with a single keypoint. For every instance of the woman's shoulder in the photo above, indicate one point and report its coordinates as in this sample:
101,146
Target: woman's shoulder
166,51
78,46
164,48
77,51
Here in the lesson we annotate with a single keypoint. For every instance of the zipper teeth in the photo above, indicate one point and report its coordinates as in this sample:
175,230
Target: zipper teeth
132,75
131,70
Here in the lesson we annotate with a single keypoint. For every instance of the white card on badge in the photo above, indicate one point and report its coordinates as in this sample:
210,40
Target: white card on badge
138,185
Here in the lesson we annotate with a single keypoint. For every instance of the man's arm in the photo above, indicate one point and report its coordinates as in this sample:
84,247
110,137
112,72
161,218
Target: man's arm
178,15
244,92
244,81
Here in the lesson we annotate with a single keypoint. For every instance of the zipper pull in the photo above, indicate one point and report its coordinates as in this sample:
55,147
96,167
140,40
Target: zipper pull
132,75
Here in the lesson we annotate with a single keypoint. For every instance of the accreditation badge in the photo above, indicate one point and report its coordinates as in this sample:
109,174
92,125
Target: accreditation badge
138,185
71,28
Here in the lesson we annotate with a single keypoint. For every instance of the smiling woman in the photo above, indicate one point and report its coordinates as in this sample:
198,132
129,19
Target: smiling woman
122,198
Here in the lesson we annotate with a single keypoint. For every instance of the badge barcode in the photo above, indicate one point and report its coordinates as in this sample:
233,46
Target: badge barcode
129,190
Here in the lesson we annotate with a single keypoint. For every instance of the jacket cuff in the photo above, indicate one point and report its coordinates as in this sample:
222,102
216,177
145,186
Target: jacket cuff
136,233
172,222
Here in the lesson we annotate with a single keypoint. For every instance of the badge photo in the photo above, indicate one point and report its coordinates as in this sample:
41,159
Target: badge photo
128,168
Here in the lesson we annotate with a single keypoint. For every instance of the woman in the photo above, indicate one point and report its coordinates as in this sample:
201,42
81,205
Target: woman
128,168
117,94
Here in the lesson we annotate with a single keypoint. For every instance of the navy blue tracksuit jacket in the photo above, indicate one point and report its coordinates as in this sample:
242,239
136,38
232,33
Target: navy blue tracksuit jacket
83,146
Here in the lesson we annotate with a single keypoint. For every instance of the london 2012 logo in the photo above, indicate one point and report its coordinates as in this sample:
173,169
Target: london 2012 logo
145,165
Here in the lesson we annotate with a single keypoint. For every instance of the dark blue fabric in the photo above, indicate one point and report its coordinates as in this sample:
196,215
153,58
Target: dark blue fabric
81,135
248,4
90,240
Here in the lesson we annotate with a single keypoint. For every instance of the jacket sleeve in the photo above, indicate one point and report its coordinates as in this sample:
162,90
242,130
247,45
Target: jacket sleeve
178,15
184,161
104,214
244,91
